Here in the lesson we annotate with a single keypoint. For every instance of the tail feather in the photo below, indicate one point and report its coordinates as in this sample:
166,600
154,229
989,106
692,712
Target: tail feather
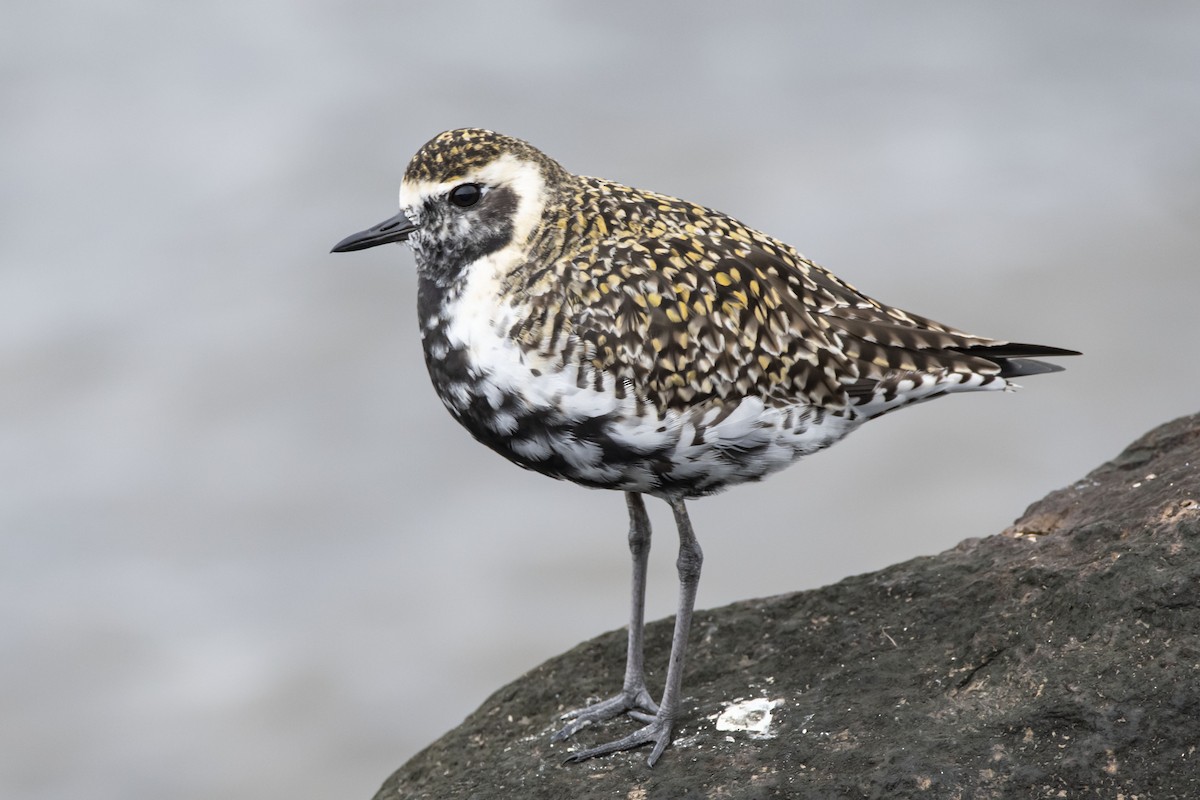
1012,359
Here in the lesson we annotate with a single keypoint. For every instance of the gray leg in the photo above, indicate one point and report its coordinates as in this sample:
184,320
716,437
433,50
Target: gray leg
633,694
658,728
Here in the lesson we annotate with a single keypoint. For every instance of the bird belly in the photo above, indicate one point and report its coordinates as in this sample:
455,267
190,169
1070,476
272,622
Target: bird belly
563,422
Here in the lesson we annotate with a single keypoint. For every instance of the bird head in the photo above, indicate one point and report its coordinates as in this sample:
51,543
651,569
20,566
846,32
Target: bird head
467,193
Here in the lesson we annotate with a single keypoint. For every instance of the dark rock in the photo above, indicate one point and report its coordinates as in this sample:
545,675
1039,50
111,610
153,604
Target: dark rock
1060,658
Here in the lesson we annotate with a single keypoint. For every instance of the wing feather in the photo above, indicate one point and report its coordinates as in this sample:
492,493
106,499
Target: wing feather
689,316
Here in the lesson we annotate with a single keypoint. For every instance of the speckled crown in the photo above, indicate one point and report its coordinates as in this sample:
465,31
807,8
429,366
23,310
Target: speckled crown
456,153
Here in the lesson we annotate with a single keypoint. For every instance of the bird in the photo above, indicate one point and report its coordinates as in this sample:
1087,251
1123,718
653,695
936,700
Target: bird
628,340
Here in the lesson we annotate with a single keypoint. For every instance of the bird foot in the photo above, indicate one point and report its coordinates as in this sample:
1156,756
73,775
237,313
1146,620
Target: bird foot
657,732
636,702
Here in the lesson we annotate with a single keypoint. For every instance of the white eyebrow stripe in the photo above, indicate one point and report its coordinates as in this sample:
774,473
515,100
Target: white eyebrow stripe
523,177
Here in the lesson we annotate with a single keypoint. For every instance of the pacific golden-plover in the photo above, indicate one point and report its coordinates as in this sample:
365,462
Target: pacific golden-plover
628,340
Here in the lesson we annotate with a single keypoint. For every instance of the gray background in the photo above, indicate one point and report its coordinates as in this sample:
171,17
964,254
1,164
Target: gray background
243,549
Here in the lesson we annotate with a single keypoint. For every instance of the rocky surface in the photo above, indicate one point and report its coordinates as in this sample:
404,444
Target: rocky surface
1059,658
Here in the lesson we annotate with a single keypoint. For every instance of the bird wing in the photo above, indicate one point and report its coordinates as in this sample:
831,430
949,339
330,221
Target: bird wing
684,320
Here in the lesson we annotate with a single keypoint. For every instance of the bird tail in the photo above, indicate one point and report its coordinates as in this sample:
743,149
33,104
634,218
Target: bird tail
1013,357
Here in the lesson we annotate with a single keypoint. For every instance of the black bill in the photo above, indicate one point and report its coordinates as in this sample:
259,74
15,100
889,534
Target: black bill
395,229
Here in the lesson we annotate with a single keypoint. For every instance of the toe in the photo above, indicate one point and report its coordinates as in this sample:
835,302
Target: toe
658,733
637,704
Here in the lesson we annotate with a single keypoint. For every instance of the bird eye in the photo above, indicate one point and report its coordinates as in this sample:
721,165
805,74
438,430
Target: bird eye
466,194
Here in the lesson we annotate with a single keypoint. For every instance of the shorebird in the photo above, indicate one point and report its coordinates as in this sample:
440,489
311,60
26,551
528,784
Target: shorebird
628,340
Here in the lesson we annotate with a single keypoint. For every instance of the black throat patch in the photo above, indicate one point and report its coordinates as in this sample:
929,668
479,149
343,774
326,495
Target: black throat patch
450,239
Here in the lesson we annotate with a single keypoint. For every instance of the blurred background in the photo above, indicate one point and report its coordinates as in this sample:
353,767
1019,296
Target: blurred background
244,550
